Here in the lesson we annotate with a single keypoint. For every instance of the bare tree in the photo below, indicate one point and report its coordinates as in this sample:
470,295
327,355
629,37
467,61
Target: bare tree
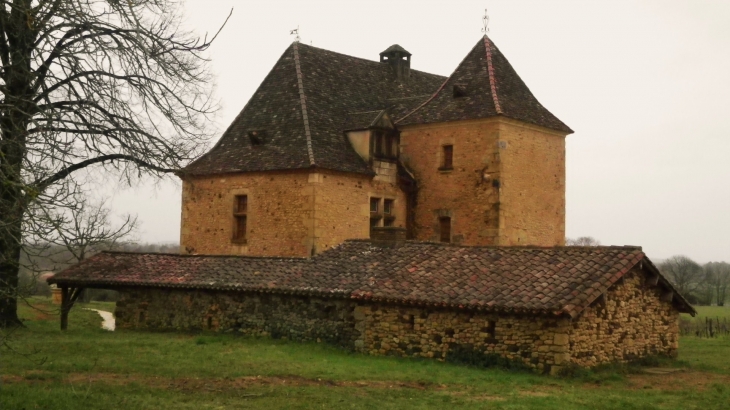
684,273
582,241
109,84
717,275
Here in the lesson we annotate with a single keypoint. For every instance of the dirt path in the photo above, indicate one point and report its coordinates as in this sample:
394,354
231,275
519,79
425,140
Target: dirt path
108,323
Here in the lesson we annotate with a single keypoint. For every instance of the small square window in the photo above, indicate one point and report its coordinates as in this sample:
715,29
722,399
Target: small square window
374,205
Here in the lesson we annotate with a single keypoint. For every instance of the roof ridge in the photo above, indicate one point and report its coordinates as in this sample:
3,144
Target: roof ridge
490,74
303,99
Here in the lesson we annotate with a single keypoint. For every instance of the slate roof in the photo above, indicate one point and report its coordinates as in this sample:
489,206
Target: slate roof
492,88
559,281
303,105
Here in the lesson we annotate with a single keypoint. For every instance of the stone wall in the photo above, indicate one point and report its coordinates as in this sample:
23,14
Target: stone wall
342,209
632,321
280,209
291,317
507,185
539,342
532,188
291,213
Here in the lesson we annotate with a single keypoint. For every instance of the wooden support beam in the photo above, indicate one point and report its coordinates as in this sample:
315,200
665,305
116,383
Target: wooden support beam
667,296
652,280
68,297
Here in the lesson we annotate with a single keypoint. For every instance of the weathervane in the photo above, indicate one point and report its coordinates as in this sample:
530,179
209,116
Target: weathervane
295,32
485,21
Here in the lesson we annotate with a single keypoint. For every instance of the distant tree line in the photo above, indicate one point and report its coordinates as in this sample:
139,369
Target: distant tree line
700,284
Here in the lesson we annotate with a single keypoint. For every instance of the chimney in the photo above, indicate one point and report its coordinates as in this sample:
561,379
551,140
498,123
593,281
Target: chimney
399,60
388,236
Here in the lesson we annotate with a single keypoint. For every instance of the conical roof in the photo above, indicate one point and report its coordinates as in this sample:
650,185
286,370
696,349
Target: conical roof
487,86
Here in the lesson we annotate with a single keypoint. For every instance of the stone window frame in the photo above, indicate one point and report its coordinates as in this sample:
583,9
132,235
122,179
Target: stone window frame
380,218
237,216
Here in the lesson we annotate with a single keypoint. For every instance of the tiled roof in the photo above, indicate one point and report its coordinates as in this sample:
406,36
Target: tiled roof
560,280
491,87
303,105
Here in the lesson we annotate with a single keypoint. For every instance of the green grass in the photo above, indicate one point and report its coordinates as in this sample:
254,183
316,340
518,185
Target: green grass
87,367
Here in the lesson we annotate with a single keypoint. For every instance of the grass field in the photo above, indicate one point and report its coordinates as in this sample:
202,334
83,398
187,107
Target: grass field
90,368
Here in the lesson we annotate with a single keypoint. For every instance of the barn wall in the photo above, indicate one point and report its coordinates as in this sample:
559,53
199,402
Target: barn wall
632,322
543,343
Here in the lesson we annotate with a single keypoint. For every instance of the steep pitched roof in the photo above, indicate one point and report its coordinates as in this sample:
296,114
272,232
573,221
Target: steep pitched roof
491,87
559,281
303,105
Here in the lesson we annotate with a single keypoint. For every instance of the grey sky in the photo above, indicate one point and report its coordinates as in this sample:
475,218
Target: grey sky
644,84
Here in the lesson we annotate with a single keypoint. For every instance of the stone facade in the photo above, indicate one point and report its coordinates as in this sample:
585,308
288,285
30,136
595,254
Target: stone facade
631,321
506,186
290,213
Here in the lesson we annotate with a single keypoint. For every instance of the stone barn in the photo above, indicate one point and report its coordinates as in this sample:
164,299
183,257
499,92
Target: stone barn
392,211
546,307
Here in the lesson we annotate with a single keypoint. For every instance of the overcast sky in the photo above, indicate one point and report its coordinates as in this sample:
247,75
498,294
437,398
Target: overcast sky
644,84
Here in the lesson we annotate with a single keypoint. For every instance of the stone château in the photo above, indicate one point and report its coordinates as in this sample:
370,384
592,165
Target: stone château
391,211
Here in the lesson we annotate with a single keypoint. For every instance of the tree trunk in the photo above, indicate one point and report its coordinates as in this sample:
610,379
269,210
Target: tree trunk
9,268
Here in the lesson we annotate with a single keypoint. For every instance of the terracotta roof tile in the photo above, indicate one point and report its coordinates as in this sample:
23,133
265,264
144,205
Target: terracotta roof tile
560,280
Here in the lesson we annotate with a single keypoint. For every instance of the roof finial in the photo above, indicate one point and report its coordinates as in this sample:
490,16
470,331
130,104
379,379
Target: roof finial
485,21
295,33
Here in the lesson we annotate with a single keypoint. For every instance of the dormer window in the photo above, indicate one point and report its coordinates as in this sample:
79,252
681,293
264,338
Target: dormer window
459,91
257,137
385,144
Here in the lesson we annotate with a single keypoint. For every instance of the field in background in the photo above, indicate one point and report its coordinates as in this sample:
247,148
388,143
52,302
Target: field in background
90,368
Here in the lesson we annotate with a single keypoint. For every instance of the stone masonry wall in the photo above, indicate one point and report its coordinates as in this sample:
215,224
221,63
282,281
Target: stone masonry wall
539,342
295,318
632,321
532,192
471,201
376,329
342,208
279,214
507,185
289,213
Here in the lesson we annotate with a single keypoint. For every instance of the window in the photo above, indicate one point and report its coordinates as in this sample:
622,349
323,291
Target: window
374,205
388,207
385,144
445,229
448,157
240,209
